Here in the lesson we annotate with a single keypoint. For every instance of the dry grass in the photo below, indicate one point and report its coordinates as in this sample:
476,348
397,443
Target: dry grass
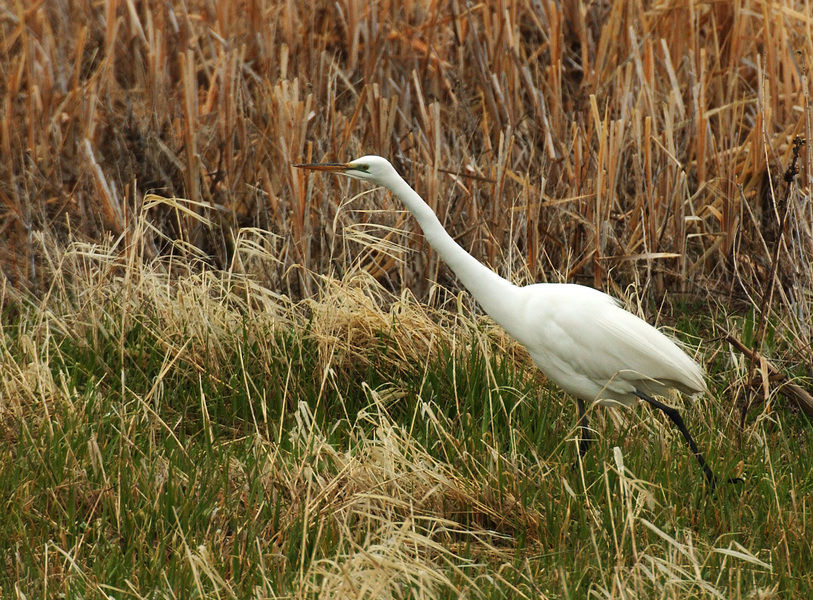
583,140
605,143
149,211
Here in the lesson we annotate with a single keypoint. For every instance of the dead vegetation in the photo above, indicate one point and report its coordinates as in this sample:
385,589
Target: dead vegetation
146,153
603,143
588,141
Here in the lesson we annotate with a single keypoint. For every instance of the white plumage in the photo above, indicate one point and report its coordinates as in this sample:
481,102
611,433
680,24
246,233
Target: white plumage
583,341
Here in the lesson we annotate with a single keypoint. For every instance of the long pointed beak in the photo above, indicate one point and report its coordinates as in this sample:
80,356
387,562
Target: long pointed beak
334,167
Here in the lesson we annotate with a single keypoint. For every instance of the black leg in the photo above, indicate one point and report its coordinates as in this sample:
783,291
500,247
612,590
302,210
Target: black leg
674,416
586,437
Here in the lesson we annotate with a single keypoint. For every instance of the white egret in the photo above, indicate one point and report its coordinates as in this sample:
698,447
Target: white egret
579,337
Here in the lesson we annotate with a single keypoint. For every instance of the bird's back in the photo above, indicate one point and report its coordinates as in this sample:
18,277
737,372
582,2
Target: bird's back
592,348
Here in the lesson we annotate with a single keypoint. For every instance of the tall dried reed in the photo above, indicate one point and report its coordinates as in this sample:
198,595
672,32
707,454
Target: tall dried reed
603,143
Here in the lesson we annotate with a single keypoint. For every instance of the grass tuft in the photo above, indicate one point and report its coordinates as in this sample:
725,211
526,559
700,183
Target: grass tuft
169,428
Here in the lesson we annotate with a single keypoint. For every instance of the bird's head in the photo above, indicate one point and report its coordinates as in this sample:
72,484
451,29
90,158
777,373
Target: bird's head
367,168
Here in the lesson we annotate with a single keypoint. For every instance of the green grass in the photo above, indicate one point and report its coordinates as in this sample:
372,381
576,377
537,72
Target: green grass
155,448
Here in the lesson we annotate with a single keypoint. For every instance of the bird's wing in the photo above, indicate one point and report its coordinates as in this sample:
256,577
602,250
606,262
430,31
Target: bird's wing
592,348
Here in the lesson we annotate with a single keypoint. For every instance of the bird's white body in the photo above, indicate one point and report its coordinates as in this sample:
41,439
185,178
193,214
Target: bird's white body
583,341
580,338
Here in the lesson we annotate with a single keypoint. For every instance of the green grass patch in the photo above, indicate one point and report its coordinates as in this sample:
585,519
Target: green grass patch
328,449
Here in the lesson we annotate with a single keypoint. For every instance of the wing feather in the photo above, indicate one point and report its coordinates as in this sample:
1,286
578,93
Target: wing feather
587,344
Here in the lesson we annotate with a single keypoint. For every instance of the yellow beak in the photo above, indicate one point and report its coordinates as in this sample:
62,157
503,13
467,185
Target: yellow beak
324,166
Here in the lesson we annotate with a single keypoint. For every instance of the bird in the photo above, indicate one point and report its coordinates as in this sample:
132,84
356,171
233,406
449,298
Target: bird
580,338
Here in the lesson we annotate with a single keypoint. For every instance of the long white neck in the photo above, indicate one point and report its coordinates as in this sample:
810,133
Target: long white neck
498,297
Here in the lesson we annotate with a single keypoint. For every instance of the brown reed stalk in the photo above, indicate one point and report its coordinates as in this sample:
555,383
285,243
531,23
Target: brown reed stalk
609,136
767,300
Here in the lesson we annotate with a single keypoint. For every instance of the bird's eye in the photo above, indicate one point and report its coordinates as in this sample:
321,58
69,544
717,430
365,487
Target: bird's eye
364,168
